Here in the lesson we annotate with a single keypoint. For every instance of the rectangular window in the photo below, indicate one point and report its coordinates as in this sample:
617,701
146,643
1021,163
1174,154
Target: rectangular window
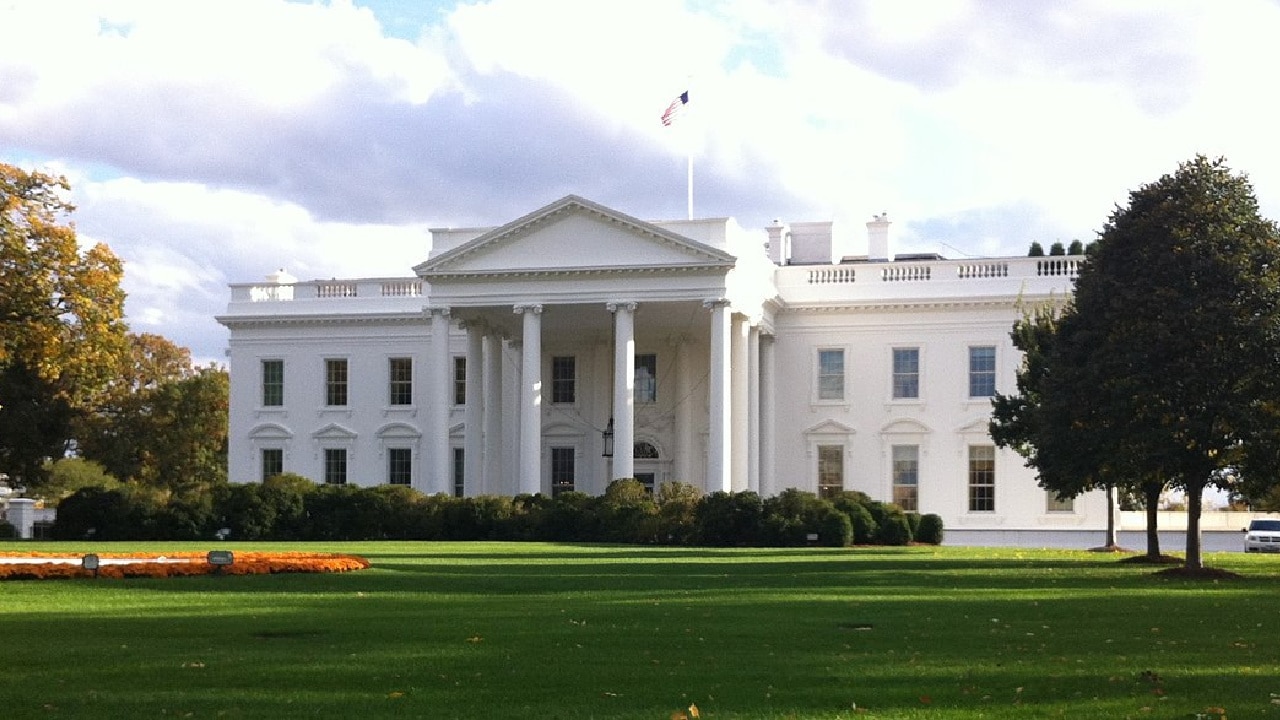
399,466
272,462
646,378
1057,504
982,478
335,466
272,383
564,380
459,471
906,477
562,469
335,382
982,371
831,374
401,385
830,470
906,373
460,381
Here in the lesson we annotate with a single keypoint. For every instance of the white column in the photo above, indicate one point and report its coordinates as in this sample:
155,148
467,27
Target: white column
531,400
440,392
738,403
624,382
768,406
753,409
686,431
718,458
492,414
473,415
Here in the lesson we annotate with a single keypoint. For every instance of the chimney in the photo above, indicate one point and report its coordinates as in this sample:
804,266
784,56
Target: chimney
878,237
281,277
777,245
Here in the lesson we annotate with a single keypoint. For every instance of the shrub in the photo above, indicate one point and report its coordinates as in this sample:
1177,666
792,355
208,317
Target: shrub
895,530
7,531
677,513
730,519
832,526
913,521
930,530
854,504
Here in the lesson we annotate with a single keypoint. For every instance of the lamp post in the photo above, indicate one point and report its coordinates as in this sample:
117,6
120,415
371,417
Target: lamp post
607,437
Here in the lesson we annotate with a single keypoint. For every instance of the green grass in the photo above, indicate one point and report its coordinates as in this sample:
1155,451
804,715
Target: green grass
499,630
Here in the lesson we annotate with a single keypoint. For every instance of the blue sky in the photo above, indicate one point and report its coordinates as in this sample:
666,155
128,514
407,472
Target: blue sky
213,142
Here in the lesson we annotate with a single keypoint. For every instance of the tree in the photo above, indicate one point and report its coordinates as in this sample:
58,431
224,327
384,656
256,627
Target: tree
1173,338
119,430
61,316
186,444
1036,249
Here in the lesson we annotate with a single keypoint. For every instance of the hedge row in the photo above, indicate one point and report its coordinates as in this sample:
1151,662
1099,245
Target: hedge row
294,508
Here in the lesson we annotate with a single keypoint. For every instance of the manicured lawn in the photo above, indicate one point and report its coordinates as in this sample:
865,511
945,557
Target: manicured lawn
500,630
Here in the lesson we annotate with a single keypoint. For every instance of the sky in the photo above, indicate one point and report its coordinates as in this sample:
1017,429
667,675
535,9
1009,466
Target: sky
211,142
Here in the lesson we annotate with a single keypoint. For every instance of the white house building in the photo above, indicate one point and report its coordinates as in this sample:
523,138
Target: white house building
577,344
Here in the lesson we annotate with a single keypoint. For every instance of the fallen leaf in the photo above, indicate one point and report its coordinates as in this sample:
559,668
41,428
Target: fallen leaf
475,639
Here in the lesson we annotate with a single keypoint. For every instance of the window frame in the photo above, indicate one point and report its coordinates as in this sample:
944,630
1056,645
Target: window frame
278,462
400,381
400,466
906,494
458,470
337,376
1056,505
897,377
272,388
831,464
646,392
985,377
982,479
336,466
459,380
558,457
564,388
819,375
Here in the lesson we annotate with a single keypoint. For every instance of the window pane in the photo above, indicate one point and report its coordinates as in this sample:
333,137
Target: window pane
272,462
459,471
562,470
564,372
646,379
831,374
272,383
830,470
906,372
335,466
906,477
335,386
400,466
460,381
982,371
1056,504
982,478
401,372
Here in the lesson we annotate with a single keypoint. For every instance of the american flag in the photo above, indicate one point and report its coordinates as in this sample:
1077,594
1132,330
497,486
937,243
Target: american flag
674,108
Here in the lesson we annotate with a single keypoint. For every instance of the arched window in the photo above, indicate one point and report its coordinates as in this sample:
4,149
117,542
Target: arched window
644,451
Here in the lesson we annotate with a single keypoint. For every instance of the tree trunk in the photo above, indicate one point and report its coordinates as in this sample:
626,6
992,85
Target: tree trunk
1111,518
1151,498
1195,492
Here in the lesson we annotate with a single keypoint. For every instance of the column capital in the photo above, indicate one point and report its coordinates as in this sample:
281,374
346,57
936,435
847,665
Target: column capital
625,306
443,311
535,308
713,303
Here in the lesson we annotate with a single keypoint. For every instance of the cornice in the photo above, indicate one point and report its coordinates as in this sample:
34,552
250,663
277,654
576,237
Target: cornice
240,321
585,271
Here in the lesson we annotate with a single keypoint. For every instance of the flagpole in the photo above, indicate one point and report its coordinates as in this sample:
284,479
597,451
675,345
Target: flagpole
689,182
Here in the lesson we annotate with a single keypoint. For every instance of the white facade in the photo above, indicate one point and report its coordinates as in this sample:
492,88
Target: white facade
726,359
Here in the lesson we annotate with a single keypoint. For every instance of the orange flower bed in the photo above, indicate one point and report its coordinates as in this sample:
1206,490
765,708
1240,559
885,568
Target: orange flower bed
178,564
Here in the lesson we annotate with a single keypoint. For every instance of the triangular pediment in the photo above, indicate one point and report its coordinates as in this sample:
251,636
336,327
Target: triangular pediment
573,234
829,427
334,431
981,426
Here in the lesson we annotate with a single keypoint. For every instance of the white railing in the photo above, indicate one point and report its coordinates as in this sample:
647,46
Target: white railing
1059,267
329,290
824,276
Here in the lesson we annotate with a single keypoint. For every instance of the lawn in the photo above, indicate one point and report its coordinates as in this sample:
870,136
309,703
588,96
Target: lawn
503,630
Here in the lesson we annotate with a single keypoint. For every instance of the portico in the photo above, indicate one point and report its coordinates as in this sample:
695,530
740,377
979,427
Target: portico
573,306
